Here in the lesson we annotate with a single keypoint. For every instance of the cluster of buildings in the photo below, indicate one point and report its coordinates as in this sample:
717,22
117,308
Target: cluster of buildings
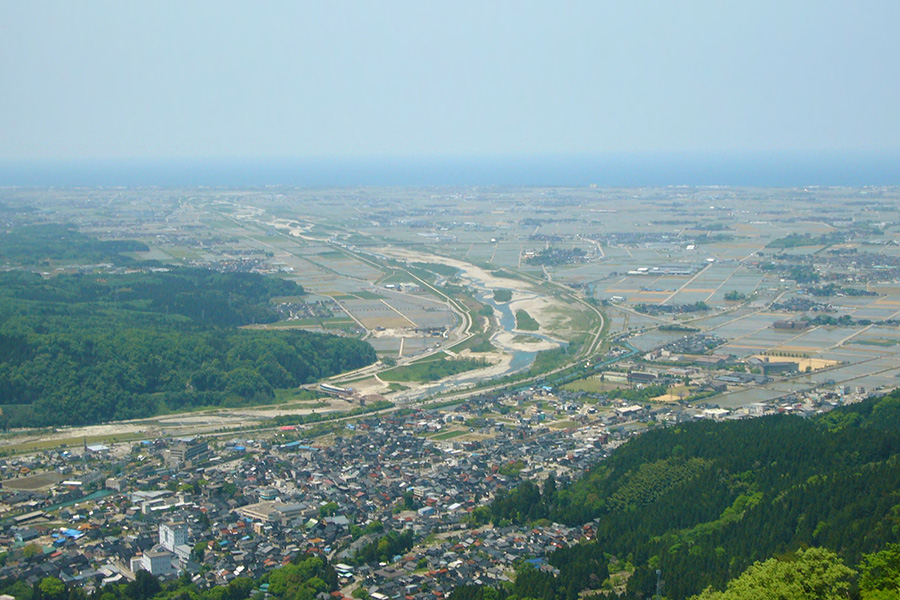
695,345
485,555
240,508
218,508
316,309
855,267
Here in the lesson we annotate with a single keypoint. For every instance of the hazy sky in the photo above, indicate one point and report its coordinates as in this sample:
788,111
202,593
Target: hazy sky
155,79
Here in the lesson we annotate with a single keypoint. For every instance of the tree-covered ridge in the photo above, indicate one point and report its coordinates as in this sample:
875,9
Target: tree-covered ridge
704,501
205,296
90,348
36,244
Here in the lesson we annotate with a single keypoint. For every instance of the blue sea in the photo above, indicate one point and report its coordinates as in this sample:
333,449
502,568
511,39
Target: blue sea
607,170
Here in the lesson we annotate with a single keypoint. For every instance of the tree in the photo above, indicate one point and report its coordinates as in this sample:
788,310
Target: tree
240,588
328,509
52,588
812,574
144,586
480,515
502,295
199,550
302,580
879,573
549,487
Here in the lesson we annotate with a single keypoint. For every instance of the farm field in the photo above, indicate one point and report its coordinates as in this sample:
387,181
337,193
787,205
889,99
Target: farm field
742,258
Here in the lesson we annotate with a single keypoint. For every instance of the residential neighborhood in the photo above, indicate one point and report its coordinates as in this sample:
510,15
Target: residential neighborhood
217,508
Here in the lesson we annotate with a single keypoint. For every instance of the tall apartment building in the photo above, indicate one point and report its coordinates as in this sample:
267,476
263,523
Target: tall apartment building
172,534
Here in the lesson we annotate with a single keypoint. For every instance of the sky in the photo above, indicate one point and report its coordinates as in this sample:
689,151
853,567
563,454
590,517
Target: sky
393,79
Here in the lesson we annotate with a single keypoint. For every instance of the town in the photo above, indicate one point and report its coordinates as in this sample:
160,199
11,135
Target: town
221,507
516,335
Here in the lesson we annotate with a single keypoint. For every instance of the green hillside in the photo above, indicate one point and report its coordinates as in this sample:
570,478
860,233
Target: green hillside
702,502
81,349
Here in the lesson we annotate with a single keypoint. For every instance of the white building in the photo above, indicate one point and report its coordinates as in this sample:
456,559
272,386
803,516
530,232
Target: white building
716,414
158,563
172,534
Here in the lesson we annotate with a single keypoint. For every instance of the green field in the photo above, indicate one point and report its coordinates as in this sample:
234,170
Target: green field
526,322
367,295
477,343
431,370
592,385
879,342
446,435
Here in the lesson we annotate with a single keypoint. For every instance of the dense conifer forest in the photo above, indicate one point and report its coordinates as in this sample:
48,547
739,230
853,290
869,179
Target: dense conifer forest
704,501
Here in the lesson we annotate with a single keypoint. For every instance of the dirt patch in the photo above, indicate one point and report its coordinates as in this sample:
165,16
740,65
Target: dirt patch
32,483
814,364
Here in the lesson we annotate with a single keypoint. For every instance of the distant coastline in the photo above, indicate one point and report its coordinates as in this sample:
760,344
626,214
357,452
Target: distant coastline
781,169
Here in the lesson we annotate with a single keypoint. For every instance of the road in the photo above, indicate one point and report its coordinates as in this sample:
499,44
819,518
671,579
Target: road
464,330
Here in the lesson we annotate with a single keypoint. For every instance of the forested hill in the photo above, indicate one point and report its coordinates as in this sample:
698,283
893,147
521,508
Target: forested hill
41,244
704,501
79,349
205,297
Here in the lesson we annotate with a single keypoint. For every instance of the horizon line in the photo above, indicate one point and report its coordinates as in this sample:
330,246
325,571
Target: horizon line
620,169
